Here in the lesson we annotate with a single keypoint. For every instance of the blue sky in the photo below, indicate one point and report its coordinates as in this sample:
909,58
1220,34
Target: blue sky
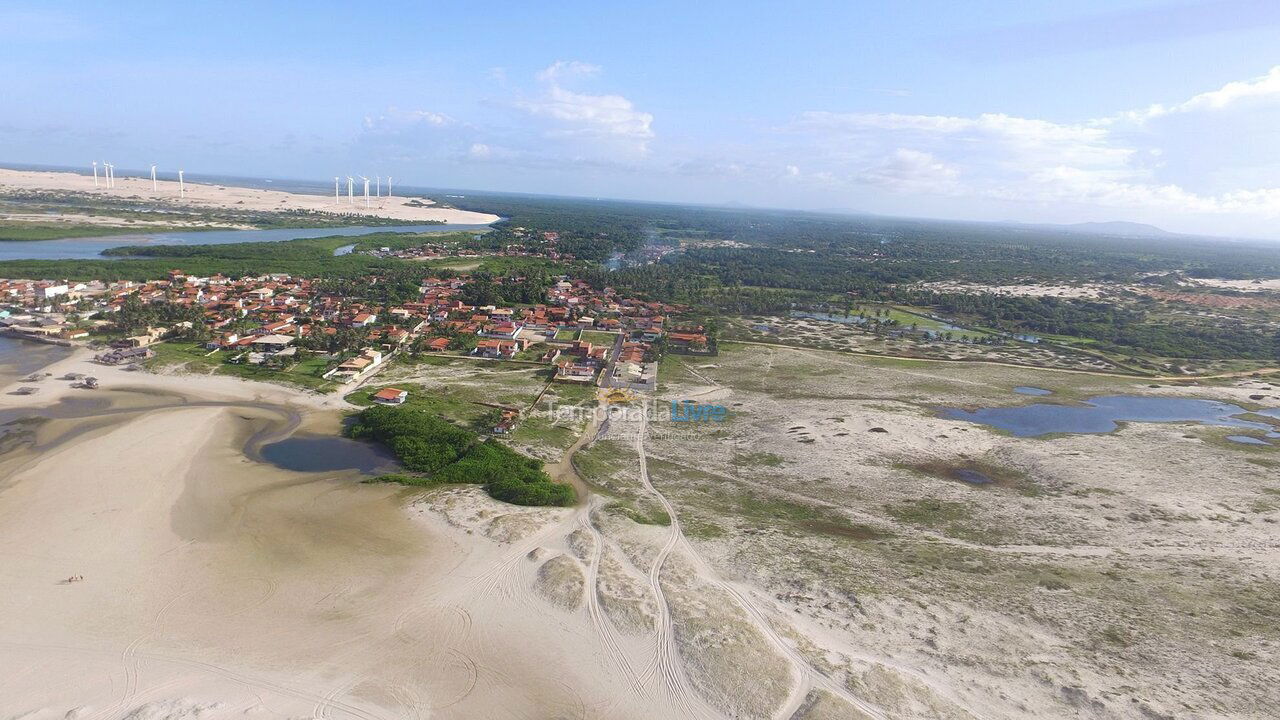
1143,110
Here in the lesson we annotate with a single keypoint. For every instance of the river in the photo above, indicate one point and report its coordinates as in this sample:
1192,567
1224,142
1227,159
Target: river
92,247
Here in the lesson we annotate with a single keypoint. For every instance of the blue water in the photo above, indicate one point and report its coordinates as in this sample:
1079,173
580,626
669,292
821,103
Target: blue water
82,248
19,358
1028,390
1247,440
973,477
319,453
1100,415
828,317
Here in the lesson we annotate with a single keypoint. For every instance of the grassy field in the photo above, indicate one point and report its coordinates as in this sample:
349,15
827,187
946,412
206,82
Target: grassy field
597,337
26,231
906,317
192,357
458,404
568,335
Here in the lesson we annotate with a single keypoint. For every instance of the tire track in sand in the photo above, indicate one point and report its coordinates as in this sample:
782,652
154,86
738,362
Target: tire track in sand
670,670
806,676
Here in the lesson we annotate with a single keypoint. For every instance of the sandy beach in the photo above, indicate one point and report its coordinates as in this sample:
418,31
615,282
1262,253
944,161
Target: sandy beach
157,571
237,198
218,586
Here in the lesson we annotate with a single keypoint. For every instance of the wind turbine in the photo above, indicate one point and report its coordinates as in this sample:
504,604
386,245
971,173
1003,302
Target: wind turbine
153,177
95,173
335,189
388,186
351,190
366,190
182,187
379,178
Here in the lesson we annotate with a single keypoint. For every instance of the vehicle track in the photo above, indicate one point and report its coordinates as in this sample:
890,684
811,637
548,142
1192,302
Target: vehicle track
604,627
669,668
804,673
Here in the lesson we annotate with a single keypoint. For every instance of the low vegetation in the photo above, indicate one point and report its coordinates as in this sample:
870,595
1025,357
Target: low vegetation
439,452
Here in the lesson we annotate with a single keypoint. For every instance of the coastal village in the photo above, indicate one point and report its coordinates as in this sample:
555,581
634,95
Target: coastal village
582,334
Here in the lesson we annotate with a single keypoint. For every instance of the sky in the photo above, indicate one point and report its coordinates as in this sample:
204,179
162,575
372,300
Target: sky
1157,111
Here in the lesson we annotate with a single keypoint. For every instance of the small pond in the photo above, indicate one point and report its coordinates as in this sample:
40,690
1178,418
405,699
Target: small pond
1101,415
1028,390
973,477
1247,440
319,453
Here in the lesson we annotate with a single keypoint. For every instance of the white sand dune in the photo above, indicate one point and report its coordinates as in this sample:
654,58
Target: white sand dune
237,198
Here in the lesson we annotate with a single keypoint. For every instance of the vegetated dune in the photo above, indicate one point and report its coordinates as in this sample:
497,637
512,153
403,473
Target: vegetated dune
624,596
822,705
561,582
726,657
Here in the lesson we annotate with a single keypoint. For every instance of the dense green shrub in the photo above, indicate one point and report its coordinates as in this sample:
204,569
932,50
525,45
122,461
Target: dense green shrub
444,453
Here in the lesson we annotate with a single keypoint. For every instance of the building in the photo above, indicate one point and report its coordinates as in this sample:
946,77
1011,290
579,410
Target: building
46,292
391,396
271,343
367,360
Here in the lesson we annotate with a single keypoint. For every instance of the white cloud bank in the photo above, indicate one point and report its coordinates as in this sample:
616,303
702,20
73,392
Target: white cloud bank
1212,159
585,115
1178,158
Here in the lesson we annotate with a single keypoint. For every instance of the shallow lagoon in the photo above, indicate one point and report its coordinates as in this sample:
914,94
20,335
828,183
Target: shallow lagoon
1101,415
318,453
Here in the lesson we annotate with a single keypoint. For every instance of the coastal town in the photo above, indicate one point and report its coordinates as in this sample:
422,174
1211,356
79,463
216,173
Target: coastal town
298,325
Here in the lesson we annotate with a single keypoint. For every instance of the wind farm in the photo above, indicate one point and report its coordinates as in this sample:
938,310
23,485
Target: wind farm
190,192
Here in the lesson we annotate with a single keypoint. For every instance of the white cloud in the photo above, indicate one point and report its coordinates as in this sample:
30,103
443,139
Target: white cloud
1139,160
579,114
582,113
566,69
395,119
913,171
1262,87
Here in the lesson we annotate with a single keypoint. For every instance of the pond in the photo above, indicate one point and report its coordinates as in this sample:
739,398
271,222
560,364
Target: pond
1247,440
829,317
1101,415
92,247
319,453
1029,390
973,477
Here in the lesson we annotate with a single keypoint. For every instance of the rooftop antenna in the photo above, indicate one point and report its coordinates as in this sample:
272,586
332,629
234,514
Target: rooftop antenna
95,173
379,178
153,178
366,190
182,187
351,190
335,189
